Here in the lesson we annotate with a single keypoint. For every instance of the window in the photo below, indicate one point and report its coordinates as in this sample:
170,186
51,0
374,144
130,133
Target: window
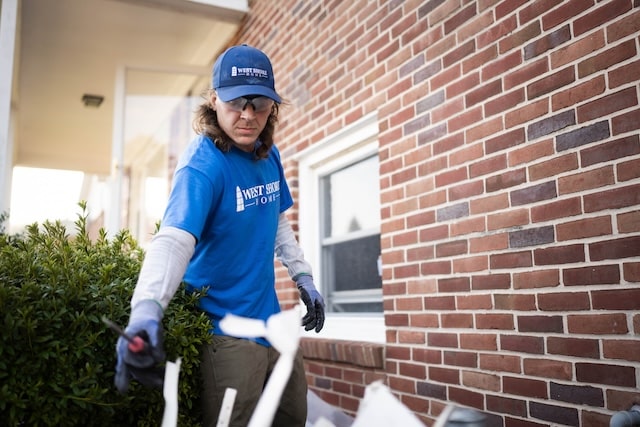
350,238
340,229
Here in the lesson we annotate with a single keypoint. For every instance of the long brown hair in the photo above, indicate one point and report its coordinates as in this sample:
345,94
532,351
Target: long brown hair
206,123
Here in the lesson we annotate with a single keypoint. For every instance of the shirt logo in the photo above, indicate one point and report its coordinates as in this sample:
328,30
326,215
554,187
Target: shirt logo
257,195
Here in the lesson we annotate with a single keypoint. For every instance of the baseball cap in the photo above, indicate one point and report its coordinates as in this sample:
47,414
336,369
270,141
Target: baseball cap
243,70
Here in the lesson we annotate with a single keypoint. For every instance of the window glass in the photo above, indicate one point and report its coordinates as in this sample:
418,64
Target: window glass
351,199
350,212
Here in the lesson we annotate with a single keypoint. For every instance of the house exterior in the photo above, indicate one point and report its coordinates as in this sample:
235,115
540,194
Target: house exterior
466,177
504,134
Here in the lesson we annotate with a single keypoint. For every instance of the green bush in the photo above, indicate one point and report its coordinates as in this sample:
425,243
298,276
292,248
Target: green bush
57,358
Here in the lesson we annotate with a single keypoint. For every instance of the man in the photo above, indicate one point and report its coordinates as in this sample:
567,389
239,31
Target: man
223,224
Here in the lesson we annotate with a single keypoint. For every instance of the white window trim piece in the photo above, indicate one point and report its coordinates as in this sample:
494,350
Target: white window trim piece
352,143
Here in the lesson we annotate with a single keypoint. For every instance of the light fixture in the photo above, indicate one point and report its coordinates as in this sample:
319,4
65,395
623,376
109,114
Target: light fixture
92,100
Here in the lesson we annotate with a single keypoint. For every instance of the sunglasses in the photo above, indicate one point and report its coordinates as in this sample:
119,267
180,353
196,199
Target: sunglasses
260,104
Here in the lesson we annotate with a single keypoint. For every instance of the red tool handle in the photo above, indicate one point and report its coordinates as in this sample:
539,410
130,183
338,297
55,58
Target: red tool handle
137,345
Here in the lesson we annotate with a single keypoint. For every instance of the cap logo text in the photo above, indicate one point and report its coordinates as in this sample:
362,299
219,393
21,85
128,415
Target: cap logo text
249,72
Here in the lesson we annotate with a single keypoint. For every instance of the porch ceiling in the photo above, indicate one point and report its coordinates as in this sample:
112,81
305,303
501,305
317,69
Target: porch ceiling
67,48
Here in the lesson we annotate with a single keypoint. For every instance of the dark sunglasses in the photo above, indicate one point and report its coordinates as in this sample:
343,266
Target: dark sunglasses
260,104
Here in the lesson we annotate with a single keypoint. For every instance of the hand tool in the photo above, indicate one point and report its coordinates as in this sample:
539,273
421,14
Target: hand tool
136,344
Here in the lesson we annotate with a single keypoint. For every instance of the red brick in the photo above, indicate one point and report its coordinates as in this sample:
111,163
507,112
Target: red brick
627,73
444,375
536,279
578,347
489,243
631,271
596,373
476,25
626,247
564,208
628,350
439,303
478,341
479,60
616,299
474,302
580,48
530,152
494,321
468,154
489,204
628,170
412,370
522,343
565,13
618,197
624,27
466,119
500,363
506,180
482,381
520,37
517,302
608,104
588,180
548,368
559,255
550,83
516,77
524,387
600,16
411,337
457,54
564,301
442,339
482,93
529,111
629,222
497,32
505,8
468,226
454,284
504,102
611,150
592,275
554,166
577,94
582,228
460,18
503,405
470,264
488,165
618,400
540,323
490,281
457,320
511,260
423,320
408,304
463,85
510,218
606,59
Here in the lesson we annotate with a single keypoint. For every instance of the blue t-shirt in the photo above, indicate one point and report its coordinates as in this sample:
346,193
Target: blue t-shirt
231,203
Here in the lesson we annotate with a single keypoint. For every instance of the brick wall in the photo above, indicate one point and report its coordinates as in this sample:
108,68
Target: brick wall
510,177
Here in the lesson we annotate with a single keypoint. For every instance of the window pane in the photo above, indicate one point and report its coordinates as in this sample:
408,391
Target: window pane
354,264
350,221
351,199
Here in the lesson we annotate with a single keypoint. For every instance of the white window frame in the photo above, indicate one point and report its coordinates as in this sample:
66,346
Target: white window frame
351,144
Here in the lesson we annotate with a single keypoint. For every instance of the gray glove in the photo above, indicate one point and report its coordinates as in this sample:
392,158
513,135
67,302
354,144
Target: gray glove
142,364
314,302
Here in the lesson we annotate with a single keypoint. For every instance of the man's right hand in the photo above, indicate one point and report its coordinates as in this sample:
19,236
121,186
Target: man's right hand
145,365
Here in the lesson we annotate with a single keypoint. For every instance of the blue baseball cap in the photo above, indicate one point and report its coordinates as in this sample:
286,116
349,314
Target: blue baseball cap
243,70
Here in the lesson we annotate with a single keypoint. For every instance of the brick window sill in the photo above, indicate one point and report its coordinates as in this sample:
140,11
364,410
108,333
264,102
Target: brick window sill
365,354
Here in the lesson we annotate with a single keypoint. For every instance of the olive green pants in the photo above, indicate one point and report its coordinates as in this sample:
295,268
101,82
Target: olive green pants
245,366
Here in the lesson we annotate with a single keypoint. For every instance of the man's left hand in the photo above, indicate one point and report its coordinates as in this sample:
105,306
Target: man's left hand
314,319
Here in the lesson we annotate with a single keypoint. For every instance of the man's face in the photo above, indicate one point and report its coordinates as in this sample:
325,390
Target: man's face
242,119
